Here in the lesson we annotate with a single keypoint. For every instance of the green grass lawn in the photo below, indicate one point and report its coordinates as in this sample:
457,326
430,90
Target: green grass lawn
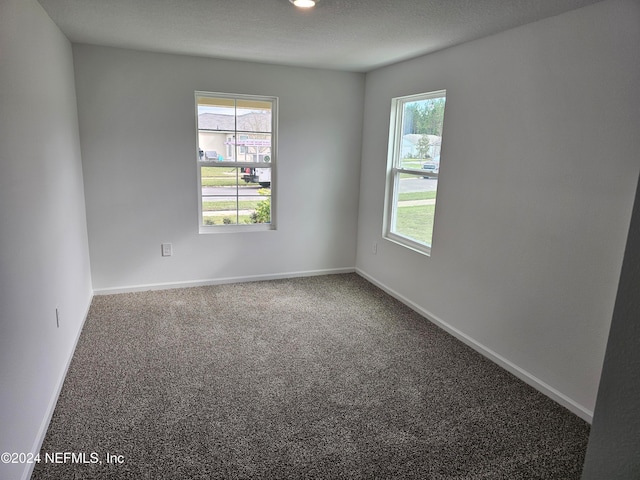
223,205
416,222
417,196
220,182
221,177
242,219
413,163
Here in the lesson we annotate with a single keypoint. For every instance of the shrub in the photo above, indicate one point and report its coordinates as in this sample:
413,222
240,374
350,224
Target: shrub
263,212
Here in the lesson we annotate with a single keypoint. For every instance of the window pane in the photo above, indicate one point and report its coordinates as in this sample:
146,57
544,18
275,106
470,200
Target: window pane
415,208
216,114
254,147
216,129
219,195
216,146
421,152
423,116
254,116
219,210
222,178
233,196
255,209
421,137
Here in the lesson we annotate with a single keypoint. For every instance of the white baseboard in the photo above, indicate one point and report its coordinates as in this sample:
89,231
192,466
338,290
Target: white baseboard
44,425
522,374
220,281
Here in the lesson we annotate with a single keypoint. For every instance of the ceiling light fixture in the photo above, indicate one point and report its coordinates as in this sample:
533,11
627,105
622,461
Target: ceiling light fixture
303,3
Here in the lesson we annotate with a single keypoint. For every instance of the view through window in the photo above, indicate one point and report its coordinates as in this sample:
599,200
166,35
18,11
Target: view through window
236,160
414,165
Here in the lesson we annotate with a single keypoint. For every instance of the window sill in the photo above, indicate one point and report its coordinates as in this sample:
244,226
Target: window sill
407,243
253,227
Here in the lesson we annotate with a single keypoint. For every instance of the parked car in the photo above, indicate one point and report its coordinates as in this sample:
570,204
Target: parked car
430,167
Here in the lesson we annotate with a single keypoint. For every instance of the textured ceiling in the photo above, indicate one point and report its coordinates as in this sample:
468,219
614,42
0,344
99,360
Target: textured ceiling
354,35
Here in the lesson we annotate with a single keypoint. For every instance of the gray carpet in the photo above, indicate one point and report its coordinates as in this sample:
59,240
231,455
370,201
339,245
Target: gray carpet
319,377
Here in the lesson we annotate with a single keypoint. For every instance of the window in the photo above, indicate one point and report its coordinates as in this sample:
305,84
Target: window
415,140
236,158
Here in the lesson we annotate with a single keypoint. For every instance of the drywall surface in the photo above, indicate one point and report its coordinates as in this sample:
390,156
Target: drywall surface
615,436
537,178
44,257
138,137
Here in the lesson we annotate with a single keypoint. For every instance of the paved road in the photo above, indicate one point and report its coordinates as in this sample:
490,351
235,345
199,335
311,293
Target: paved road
406,185
413,203
418,185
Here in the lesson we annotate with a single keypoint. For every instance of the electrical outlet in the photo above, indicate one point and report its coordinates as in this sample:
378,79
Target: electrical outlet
374,248
167,250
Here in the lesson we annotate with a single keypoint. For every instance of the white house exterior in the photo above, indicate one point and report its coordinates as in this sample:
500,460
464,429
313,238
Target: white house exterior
410,143
217,140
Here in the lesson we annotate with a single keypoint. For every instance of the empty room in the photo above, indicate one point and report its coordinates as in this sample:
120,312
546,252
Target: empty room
356,239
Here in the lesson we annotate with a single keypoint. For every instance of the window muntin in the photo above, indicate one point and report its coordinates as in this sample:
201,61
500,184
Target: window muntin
236,161
415,142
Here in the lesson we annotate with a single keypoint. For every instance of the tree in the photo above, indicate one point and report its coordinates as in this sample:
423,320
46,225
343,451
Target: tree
424,117
423,147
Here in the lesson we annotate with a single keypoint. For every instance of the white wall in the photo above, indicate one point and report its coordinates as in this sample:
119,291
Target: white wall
137,120
614,441
44,260
538,170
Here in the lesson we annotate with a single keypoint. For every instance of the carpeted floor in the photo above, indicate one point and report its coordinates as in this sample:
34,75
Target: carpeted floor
318,377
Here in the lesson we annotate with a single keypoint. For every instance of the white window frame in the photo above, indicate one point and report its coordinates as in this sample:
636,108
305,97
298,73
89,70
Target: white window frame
395,170
249,227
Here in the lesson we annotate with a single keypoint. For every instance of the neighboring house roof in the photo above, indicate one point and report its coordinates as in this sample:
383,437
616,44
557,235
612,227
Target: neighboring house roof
252,122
